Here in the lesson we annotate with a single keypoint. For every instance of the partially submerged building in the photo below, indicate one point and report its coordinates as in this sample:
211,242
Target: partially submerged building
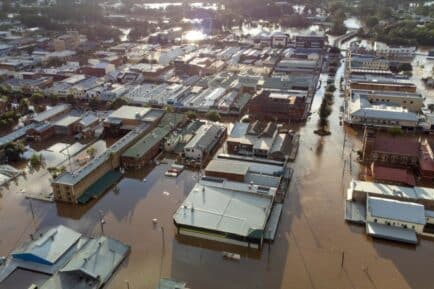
229,212
391,212
71,259
97,175
206,140
262,139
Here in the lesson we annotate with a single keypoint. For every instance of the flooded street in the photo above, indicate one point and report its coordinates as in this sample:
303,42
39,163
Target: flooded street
313,239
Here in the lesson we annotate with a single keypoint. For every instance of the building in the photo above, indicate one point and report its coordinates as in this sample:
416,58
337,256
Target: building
394,220
392,176
251,171
391,212
363,63
426,161
393,52
204,143
145,149
360,190
142,152
69,258
66,125
361,111
390,150
413,102
297,65
68,41
285,106
380,83
99,69
261,139
94,178
399,152
229,212
279,39
50,114
128,117
313,41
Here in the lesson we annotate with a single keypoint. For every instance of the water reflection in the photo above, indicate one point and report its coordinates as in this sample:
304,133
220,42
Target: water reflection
194,36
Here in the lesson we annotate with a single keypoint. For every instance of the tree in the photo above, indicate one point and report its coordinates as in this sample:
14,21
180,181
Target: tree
405,67
331,88
36,161
118,103
24,106
213,115
91,152
191,115
13,150
37,97
371,21
334,50
93,103
329,97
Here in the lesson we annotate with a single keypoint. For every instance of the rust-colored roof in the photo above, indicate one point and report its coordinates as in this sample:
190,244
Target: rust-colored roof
426,158
397,145
395,175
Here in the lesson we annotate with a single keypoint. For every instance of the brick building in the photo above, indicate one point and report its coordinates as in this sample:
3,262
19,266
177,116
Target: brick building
281,106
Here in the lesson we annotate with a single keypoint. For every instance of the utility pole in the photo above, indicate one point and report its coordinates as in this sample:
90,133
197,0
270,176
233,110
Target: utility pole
101,221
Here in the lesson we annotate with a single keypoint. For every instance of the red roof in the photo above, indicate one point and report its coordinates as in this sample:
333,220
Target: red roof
401,176
397,145
426,158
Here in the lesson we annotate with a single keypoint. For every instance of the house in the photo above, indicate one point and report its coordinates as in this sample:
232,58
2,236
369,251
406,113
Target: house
204,143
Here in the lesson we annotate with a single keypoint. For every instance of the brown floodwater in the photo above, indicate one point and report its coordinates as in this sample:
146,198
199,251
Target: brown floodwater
312,238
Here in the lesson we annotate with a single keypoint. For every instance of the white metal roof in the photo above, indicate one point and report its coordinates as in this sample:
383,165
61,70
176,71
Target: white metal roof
396,210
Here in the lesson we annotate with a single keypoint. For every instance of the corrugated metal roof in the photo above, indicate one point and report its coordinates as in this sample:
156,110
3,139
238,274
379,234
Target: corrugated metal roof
396,210
51,245
391,233
416,193
227,207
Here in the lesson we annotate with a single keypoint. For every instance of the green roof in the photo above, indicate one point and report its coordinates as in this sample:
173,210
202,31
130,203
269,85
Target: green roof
171,118
100,186
147,142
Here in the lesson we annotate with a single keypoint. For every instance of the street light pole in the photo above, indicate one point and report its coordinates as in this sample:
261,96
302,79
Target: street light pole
101,221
